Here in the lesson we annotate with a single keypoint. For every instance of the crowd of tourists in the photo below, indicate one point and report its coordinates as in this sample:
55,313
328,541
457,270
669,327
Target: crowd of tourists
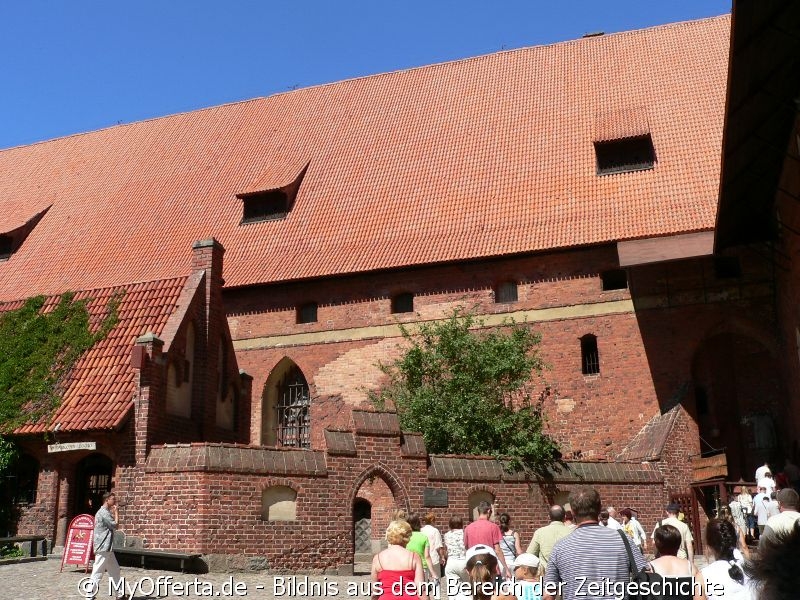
598,553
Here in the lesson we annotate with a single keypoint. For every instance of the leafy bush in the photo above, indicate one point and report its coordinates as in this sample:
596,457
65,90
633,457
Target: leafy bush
467,390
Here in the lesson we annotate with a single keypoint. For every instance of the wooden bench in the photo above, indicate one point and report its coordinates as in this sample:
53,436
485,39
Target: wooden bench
143,554
33,539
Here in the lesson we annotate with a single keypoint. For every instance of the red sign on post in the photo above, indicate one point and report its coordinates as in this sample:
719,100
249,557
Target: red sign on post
78,549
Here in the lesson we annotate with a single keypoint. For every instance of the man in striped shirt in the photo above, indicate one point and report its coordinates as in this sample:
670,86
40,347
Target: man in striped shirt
592,560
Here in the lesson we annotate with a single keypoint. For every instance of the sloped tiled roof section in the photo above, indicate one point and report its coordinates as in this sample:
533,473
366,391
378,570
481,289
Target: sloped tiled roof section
99,391
649,442
466,468
475,158
621,124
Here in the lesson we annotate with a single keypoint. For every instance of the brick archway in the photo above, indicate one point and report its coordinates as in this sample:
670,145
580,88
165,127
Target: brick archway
379,487
389,477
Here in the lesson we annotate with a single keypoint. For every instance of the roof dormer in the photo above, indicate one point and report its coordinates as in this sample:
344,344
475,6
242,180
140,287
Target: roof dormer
622,141
12,239
271,197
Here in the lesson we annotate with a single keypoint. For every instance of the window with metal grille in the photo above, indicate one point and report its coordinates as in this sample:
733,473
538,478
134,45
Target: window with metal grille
590,357
621,156
506,292
265,206
403,303
727,267
294,425
307,313
6,246
616,279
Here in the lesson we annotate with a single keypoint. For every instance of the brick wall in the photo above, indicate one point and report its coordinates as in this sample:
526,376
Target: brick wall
647,347
207,498
787,268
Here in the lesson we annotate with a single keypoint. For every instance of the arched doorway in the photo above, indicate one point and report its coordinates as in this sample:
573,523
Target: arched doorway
285,407
738,402
377,495
94,474
362,526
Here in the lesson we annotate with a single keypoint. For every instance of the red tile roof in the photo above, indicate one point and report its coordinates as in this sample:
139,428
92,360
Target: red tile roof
480,157
100,388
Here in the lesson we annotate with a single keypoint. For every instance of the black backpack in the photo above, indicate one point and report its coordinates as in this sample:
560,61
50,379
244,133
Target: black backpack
644,580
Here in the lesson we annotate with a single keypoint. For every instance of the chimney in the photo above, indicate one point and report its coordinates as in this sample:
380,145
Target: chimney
207,256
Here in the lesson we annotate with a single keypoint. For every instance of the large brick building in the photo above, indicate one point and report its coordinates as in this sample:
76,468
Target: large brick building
573,186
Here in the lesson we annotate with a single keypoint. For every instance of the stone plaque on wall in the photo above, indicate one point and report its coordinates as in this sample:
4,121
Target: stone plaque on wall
434,498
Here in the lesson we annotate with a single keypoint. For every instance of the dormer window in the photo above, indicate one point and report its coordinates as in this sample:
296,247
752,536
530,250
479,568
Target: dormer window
6,246
265,206
272,196
12,239
622,140
623,156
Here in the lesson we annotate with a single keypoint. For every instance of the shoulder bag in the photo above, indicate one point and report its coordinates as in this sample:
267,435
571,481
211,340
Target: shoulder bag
644,580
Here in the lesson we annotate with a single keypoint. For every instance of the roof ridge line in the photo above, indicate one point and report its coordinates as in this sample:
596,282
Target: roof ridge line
374,75
100,289
146,120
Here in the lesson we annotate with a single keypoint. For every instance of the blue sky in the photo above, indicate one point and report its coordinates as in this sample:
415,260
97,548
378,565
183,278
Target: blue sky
72,66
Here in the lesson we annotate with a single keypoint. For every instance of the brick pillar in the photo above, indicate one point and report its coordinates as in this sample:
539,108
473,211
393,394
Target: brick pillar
65,477
207,256
146,359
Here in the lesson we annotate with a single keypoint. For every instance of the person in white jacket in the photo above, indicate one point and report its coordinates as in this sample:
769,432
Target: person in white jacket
634,529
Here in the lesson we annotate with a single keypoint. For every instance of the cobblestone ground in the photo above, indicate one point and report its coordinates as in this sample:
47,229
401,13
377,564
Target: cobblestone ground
43,581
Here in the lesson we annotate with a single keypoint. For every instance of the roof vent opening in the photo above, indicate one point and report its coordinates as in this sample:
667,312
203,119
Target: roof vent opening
625,155
265,206
11,239
6,247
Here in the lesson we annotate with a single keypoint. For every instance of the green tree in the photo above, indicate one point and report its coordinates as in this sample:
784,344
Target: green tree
467,389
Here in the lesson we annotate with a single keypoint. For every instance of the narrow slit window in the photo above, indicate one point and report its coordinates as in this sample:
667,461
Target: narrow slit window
616,279
590,357
403,303
622,156
506,292
307,313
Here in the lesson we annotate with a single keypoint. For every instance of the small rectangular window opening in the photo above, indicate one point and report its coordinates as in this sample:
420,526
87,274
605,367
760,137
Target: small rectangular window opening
265,206
622,156
403,303
616,279
727,267
590,357
307,313
506,292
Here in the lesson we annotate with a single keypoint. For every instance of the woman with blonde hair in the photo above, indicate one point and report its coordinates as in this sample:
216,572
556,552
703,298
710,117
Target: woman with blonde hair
397,566
746,503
